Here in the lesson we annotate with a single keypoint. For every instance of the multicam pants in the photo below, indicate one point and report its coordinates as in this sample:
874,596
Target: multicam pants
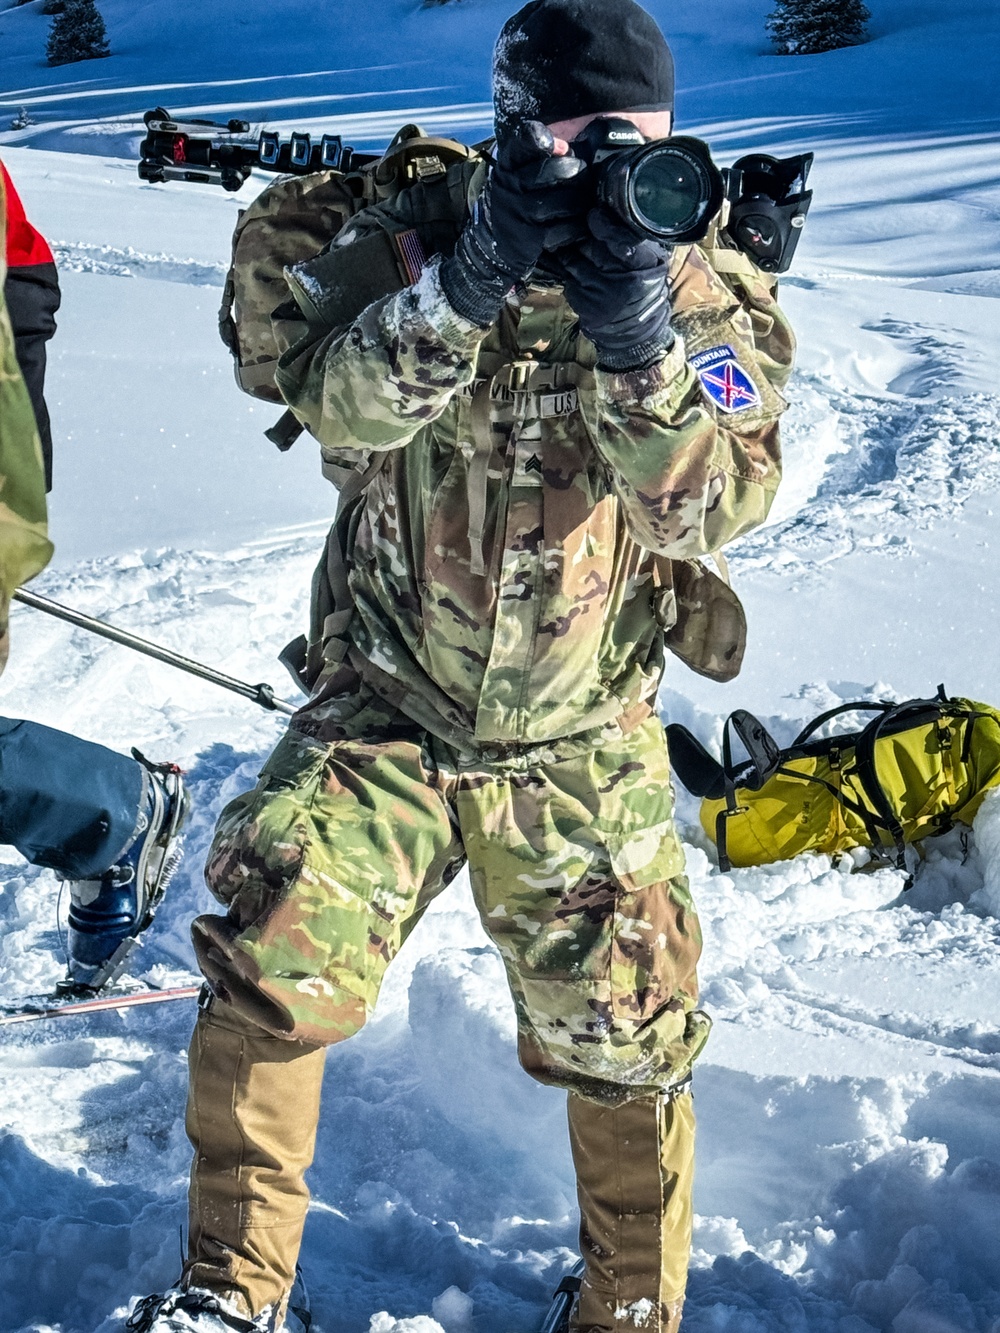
577,873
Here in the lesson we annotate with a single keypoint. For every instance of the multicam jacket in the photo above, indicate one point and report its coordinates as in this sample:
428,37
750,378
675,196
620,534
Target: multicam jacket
24,545
510,565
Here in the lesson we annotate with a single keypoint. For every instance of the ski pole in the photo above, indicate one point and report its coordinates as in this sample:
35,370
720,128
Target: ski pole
263,695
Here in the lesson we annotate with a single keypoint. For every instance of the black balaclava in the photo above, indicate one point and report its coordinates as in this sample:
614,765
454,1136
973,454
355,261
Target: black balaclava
559,59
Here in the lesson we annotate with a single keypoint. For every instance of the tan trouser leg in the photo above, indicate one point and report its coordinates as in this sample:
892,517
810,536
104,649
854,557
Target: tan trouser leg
634,1168
253,1105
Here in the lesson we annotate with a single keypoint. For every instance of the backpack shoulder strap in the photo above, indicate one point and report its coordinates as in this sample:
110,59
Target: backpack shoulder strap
866,762
309,658
812,727
414,156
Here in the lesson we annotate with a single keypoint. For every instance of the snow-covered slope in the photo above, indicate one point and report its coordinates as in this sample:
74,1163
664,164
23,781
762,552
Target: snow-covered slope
849,1159
365,69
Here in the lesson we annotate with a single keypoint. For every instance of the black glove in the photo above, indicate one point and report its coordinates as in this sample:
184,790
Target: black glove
528,192
617,284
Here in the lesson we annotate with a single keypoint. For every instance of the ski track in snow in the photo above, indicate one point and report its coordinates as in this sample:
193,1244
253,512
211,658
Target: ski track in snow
907,464
130,263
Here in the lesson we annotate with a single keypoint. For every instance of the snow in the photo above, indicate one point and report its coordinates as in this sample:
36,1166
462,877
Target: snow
849,1149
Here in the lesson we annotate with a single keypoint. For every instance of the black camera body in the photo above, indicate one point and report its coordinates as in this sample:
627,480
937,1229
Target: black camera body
667,190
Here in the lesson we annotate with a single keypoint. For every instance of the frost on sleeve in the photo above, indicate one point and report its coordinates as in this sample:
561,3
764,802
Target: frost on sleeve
378,382
693,442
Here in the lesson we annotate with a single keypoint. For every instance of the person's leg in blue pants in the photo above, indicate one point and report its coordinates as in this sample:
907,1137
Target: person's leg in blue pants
102,821
66,803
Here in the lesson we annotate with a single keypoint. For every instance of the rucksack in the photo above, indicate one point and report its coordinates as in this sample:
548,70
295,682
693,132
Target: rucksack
292,220
916,770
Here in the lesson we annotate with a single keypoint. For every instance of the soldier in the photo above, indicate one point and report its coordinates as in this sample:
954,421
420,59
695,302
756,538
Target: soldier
105,823
538,465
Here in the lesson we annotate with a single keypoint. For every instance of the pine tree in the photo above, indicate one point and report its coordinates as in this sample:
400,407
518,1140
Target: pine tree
78,33
806,27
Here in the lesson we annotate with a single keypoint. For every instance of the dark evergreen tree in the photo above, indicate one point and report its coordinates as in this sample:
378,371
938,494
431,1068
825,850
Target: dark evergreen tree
805,27
78,33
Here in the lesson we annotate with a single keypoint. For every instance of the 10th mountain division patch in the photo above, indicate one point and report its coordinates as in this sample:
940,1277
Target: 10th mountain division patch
725,381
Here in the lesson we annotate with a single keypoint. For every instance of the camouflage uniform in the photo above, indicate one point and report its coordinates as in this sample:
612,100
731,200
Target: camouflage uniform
24,545
488,635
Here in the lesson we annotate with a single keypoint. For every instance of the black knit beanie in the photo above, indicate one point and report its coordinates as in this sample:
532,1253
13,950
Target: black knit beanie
559,59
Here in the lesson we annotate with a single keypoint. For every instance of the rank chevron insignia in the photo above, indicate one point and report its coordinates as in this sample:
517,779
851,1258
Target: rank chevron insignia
725,381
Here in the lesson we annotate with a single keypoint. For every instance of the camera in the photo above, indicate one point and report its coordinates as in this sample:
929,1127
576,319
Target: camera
667,191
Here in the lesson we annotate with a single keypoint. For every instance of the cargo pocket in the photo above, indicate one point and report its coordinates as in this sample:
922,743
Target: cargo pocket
261,837
656,938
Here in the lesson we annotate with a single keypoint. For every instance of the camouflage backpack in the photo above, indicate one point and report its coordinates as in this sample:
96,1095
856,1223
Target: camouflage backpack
293,219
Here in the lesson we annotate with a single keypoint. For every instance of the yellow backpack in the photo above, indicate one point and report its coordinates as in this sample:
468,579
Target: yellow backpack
915,770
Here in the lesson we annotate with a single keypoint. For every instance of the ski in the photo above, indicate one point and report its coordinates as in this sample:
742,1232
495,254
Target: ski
43,1007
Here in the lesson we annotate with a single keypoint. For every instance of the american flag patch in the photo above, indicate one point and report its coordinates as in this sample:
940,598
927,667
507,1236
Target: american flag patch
411,252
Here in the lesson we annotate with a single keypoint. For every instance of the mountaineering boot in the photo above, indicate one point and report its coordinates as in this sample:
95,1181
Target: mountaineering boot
193,1311
109,913
564,1299
196,1310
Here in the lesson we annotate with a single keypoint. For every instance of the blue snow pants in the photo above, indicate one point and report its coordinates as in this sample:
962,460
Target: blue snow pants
65,803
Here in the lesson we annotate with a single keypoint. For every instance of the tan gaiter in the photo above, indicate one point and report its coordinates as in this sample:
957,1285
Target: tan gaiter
253,1105
634,1169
